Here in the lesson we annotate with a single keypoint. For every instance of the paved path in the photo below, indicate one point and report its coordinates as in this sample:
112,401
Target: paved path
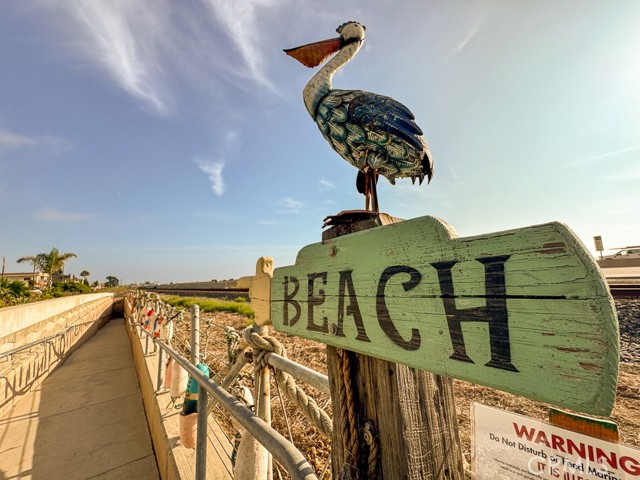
86,421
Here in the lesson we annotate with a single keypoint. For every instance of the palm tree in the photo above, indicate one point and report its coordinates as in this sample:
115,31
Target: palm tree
35,260
53,262
49,263
84,274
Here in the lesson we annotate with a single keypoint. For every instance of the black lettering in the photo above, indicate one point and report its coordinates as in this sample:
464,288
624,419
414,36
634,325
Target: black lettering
313,301
494,313
386,323
288,299
346,283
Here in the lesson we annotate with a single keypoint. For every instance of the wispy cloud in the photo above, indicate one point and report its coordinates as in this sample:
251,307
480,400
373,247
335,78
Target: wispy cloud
326,185
470,35
240,20
11,140
157,49
125,37
612,153
51,214
14,140
213,169
289,205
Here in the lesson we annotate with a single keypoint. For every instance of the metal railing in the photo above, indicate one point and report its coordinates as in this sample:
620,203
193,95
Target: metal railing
283,451
51,338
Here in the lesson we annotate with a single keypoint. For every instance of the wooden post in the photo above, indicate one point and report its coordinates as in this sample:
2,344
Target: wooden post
389,420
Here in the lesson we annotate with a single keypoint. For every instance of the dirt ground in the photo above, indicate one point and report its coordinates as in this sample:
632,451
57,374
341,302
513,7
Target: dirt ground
316,447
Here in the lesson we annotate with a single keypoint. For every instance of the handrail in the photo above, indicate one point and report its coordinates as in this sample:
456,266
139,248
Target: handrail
307,375
282,450
13,351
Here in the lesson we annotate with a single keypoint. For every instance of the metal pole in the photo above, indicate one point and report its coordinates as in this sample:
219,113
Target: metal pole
146,345
201,440
160,368
195,334
300,372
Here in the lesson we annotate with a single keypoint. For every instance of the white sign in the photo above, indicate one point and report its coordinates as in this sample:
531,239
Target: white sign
509,446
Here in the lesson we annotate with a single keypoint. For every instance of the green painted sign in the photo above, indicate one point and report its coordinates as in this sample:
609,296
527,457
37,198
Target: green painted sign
525,311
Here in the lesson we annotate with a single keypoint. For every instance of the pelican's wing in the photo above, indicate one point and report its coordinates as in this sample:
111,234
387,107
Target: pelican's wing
377,112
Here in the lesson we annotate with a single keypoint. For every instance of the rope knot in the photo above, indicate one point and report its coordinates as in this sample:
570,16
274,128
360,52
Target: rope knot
262,345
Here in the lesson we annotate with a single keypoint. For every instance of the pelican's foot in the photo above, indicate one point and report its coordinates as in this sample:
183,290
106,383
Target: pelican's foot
350,216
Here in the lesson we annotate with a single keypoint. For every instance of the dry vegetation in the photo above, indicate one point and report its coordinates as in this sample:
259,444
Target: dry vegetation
316,447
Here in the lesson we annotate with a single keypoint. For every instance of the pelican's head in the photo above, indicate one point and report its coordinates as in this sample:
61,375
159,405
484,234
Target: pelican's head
351,32
313,54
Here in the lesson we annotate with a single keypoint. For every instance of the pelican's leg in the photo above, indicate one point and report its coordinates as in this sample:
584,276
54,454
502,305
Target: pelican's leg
367,189
373,191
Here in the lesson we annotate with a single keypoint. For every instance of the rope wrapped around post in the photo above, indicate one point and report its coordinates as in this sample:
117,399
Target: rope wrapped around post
347,410
262,345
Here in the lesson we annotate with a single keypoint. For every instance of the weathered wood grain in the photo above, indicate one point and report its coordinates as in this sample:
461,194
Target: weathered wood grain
259,286
526,311
409,415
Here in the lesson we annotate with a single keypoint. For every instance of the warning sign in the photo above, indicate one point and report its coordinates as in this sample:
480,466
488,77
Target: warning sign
509,446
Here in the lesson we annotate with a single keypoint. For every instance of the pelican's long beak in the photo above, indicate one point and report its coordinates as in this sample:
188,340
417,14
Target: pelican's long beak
313,54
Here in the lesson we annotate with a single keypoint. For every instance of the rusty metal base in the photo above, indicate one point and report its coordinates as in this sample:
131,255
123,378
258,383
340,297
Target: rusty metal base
349,221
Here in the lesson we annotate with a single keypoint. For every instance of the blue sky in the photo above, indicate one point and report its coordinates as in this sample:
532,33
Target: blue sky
168,141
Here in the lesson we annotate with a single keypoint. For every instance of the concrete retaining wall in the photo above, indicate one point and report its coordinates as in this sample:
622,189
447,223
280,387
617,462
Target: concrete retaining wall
27,323
66,323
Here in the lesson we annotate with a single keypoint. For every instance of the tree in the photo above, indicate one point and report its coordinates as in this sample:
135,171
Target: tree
84,274
112,281
50,263
33,259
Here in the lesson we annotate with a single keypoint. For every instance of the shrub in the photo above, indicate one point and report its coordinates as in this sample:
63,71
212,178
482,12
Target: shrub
69,288
13,292
211,305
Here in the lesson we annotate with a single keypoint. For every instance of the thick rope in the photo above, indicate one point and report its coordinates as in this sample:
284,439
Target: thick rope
374,454
231,337
348,413
264,344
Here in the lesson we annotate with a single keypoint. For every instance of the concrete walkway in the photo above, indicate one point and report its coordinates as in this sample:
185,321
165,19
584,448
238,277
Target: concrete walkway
86,421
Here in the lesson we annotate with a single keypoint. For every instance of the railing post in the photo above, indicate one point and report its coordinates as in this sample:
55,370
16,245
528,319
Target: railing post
263,406
195,334
201,439
160,382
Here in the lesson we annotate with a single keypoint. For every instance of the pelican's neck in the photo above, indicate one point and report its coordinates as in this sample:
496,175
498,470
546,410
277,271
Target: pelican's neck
320,83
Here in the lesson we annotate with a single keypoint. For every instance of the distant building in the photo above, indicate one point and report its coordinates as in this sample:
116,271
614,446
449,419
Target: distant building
39,279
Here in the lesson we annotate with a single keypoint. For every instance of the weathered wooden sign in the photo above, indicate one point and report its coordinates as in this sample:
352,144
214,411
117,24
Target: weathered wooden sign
526,311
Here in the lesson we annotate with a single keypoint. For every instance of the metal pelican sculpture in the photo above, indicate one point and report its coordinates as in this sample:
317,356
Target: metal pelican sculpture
376,134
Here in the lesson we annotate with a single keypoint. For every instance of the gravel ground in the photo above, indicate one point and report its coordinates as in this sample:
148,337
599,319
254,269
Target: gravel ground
629,321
